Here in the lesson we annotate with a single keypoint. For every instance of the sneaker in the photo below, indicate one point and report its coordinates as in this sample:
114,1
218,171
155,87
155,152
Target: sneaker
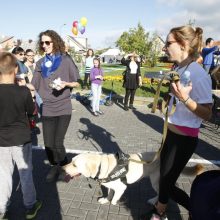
31,213
100,112
126,108
53,173
132,107
95,114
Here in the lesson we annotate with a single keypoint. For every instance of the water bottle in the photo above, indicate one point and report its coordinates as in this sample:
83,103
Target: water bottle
185,78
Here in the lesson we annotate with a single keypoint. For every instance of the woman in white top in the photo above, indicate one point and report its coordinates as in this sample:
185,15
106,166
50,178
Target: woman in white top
132,78
89,66
193,104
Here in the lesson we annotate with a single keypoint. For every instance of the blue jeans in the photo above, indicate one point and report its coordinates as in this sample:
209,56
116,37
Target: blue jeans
22,157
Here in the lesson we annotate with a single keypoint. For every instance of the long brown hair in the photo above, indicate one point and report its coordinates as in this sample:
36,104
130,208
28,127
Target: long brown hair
58,43
87,53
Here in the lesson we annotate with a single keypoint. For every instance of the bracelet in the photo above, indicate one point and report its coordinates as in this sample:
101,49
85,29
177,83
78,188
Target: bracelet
186,101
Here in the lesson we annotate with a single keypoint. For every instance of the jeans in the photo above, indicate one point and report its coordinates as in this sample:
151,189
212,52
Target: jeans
22,157
96,93
54,130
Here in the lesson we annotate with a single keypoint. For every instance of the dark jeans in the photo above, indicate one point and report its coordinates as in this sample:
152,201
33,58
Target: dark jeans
175,154
131,93
54,130
86,79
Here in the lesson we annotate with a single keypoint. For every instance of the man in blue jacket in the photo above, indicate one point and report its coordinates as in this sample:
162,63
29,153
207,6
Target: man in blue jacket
208,54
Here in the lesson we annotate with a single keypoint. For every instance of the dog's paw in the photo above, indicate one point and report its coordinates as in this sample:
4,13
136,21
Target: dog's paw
114,202
103,200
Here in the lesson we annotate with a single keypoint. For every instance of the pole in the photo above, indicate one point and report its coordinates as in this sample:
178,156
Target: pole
60,30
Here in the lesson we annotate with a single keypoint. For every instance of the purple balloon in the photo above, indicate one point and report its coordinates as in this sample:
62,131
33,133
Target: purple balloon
82,29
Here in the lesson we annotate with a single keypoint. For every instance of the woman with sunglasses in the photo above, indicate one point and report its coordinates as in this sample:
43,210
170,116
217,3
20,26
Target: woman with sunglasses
193,97
55,68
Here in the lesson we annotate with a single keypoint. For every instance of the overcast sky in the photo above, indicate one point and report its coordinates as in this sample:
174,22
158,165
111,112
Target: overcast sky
107,19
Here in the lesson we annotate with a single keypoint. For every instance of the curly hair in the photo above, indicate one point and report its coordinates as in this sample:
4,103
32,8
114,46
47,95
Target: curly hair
58,43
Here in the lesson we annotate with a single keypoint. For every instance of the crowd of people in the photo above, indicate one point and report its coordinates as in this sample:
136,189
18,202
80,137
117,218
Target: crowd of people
25,85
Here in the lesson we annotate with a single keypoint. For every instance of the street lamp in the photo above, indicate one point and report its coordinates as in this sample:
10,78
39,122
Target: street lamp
60,30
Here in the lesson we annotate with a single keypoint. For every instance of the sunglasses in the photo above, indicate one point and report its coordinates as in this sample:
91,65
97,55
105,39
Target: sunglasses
29,55
45,42
168,43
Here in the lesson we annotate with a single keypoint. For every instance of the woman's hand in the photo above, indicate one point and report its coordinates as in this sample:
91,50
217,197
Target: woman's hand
181,92
64,84
21,82
99,77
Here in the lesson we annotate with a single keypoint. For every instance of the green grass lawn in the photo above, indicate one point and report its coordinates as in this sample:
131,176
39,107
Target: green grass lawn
146,90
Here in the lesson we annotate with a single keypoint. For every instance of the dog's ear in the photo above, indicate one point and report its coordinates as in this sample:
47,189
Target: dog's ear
92,168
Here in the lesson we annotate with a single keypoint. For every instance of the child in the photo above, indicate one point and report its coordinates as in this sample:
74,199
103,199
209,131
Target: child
15,137
96,77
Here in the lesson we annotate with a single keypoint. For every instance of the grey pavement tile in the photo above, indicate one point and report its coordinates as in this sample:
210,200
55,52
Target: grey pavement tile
66,195
66,217
117,217
91,215
75,204
78,197
89,206
77,212
102,213
87,198
114,209
65,205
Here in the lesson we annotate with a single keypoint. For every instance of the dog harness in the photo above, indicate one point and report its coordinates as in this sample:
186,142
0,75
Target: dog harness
119,172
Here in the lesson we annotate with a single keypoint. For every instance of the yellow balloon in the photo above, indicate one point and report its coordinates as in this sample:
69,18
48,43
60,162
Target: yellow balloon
83,21
75,30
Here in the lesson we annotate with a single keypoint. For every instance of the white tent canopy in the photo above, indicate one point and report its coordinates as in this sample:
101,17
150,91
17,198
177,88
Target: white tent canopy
111,56
111,52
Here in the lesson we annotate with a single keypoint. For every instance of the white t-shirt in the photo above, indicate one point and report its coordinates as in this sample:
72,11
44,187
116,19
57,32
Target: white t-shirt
89,62
133,66
201,93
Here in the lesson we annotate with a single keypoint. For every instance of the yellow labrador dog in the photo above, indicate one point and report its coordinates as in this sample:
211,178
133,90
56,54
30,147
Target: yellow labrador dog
100,166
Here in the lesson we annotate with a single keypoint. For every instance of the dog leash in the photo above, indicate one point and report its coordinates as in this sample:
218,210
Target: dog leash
174,77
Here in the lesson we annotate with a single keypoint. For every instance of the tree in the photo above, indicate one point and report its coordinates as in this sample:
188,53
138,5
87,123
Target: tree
136,39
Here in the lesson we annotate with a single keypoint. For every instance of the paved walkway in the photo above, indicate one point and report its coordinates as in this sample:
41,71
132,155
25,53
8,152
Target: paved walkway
132,131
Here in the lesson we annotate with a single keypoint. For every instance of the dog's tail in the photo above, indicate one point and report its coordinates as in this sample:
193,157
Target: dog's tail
194,170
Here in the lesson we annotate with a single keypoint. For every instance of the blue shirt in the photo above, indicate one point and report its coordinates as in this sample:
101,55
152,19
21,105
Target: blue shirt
208,55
